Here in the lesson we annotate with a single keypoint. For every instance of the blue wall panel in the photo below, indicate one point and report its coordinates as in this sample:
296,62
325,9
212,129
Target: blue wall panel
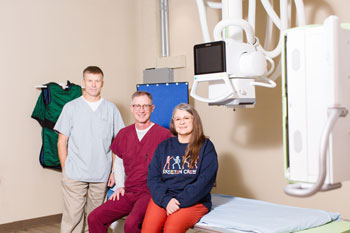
165,97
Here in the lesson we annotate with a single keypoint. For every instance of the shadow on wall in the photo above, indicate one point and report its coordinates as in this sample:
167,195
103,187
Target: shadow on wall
125,112
232,184
261,126
315,7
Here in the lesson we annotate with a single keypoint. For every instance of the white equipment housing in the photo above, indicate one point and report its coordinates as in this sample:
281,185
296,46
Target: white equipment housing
245,63
315,80
226,65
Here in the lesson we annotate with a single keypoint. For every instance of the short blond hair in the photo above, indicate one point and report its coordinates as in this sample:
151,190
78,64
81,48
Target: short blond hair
141,93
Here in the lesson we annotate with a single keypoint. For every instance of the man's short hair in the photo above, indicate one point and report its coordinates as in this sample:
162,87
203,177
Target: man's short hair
93,70
141,93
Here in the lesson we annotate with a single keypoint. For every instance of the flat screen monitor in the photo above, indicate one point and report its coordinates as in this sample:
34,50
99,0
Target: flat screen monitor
209,58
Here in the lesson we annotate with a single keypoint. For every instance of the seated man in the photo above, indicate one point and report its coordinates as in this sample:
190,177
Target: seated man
135,145
119,178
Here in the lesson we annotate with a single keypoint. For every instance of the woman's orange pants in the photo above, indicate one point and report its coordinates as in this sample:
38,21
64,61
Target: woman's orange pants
156,219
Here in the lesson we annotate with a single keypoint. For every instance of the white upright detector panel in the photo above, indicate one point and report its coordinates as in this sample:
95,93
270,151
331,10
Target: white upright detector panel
316,78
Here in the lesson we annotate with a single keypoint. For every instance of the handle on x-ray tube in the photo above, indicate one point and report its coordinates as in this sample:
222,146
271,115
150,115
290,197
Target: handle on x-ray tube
212,77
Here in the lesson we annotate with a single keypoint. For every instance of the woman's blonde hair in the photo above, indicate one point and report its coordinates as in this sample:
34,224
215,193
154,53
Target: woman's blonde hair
197,136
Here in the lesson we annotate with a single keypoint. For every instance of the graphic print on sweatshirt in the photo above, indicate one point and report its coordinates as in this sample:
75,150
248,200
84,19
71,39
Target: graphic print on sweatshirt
174,166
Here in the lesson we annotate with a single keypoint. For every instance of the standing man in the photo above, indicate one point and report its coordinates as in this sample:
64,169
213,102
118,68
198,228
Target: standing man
86,127
135,146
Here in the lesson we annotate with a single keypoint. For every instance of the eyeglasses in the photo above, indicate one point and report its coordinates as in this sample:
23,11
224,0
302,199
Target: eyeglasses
144,106
186,119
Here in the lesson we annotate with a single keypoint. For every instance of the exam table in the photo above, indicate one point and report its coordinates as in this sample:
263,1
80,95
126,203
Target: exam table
240,215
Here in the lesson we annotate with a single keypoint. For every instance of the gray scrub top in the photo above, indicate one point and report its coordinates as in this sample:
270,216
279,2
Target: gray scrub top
90,136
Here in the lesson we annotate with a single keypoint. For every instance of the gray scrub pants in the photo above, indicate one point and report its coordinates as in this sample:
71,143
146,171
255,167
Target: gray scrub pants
77,195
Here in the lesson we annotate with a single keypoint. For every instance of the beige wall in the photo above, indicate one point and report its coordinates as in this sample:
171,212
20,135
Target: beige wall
48,40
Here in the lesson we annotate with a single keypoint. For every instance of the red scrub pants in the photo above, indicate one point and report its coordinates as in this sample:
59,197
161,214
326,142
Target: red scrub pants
132,204
156,218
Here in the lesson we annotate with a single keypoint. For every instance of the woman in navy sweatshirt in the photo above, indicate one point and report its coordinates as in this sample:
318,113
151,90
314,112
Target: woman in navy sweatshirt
181,175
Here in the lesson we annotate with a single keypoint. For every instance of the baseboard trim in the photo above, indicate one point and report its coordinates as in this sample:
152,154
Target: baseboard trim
34,222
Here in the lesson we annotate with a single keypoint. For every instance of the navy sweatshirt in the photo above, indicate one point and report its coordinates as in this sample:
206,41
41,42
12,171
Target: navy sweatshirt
168,178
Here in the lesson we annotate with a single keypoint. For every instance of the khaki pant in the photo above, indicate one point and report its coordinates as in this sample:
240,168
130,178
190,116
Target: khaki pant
78,195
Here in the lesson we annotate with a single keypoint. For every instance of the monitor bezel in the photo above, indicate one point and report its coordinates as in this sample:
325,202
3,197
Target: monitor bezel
197,47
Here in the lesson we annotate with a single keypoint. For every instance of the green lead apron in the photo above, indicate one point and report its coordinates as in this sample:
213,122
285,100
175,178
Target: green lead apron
47,110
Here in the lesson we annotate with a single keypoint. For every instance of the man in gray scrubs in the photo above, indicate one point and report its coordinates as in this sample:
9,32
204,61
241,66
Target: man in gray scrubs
86,127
